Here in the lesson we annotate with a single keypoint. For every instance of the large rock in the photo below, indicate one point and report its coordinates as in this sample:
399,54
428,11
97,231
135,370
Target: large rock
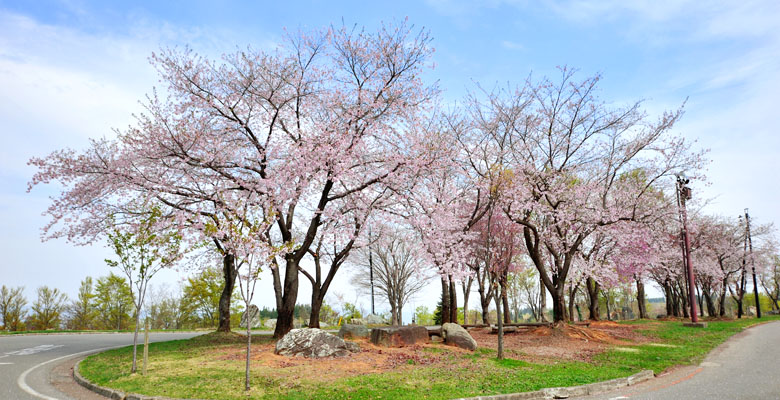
455,335
399,336
254,317
270,323
373,319
312,343
349,331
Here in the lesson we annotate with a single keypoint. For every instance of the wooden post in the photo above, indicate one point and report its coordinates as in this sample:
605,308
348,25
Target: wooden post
146,347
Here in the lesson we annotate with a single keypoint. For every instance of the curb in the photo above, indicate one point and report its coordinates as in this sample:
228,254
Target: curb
111,393
571,391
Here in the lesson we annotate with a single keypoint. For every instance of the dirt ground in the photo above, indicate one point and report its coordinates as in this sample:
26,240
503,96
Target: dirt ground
567,342
539,345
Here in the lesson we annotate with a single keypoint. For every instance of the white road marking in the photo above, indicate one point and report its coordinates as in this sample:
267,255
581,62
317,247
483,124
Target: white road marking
33,350
22,383
6,363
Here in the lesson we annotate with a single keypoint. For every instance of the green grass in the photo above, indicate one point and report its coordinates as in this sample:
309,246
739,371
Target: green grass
675,344
197,368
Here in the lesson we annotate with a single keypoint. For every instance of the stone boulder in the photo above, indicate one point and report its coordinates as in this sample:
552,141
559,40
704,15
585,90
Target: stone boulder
399,336
352,346
373,319
313,343
455,335
254,317
349,331
270,323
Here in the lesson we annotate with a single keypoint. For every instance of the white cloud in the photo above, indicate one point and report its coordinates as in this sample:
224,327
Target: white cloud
508,44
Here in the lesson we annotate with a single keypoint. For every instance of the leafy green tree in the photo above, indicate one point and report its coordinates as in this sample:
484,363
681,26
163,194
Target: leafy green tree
113,302
166,310
47,310
202,294
422,316
142,249
350,311
82,310
437,314
12,311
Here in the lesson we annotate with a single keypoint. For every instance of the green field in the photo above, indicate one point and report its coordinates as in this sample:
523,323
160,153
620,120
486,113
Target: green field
194,369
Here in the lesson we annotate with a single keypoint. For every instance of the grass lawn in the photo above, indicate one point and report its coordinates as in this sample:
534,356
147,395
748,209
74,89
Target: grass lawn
212,367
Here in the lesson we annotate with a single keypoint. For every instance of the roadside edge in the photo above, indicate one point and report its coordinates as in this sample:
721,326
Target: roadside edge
572,391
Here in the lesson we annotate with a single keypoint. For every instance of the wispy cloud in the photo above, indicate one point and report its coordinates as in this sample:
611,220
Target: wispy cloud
508,44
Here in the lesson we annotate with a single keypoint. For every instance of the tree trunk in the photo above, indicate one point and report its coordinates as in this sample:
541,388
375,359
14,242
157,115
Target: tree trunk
640,298
466,292
248,351
230,273
505,301
711,311
593,299
722,300
393,315
286,310
609,312
134,367
453,301
669,299
485,311
571,303
445,301
559,304
542,301
699,299
316,306
500,350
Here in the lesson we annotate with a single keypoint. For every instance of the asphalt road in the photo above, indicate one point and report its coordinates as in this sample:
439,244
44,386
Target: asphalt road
36,366
747,366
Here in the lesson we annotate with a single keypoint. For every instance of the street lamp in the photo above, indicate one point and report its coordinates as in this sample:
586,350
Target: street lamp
684,194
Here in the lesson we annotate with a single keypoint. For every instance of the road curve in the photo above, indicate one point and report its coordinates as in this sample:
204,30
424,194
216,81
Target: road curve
27,361
747,366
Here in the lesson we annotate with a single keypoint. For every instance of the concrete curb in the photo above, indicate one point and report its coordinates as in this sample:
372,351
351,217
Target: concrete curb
572,391
111,393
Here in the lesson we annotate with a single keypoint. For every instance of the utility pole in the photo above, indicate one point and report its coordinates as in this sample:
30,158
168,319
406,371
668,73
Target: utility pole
371,273
752,262
683,194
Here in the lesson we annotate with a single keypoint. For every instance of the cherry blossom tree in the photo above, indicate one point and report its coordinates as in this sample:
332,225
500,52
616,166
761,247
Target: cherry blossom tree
566,152
329,118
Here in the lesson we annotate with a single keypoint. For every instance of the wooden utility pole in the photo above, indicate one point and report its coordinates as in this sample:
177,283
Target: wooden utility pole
752,262
683,194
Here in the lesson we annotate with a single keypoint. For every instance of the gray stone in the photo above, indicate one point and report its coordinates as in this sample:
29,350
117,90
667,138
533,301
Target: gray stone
373,319
254,317
311,343
399,336
436,339
455,335
270,323
352,347
349,331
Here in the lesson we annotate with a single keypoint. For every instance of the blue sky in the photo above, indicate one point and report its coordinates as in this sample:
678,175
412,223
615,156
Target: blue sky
71,70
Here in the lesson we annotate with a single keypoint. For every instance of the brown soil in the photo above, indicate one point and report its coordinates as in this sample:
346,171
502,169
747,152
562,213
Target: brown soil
539,345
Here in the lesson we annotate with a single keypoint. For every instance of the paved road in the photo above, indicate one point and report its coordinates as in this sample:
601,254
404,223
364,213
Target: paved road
747,366
35,366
